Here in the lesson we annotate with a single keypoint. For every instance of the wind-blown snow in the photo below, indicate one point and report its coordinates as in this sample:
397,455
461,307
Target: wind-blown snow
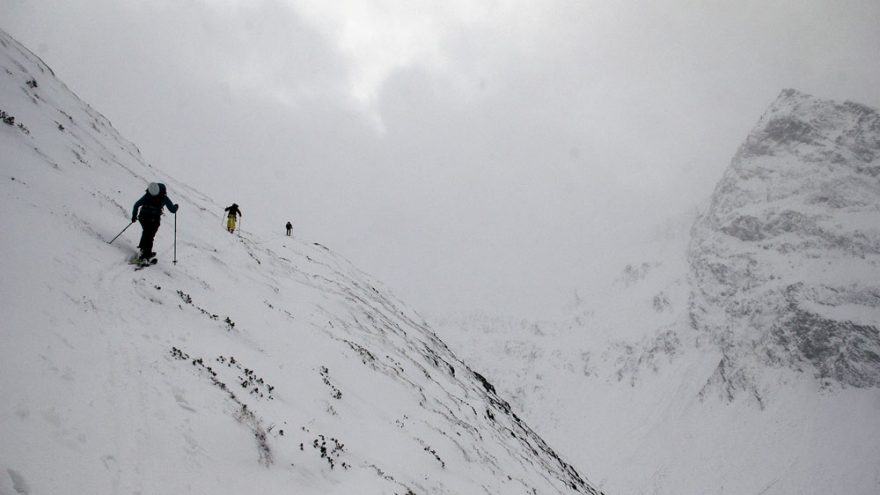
255,364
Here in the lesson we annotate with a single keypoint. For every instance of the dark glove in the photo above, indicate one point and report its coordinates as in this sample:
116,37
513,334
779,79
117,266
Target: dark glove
134,219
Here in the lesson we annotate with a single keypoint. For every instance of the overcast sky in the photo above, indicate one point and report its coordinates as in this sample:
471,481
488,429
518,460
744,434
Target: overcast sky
472,154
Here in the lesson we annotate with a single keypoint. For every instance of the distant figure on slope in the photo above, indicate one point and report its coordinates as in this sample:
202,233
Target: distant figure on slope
289,228
232,216
150,205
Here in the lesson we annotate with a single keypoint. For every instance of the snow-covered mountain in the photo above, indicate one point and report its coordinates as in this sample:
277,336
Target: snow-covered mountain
239,364
786,261
738,354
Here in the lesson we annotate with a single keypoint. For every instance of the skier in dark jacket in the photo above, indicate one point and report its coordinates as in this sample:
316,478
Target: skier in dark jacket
289,227
231,218
150,205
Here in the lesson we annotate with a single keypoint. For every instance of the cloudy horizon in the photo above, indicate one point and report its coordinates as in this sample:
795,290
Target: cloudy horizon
489,156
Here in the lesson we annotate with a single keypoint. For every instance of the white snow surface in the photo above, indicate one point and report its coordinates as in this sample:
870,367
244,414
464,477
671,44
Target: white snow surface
257,363
738,352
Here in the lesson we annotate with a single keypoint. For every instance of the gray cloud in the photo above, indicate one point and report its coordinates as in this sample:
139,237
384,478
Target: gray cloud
472,156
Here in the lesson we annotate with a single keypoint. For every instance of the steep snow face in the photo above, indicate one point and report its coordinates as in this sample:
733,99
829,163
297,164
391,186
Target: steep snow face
785,264
254,364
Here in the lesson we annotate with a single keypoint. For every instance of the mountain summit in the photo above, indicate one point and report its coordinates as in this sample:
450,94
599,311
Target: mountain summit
237,364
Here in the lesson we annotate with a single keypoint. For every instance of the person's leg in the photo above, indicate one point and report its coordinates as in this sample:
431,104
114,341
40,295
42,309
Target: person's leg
150,227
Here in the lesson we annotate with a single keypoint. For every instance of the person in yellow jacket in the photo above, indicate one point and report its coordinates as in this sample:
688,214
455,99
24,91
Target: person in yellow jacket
232,214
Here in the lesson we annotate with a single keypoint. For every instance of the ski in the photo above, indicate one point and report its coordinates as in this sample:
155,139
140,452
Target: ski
141,264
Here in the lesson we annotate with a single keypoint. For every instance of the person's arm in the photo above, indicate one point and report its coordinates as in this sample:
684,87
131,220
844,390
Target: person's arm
171,206
134,211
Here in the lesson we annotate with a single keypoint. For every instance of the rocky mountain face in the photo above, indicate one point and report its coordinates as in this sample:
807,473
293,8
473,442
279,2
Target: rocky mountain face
237,364
785,264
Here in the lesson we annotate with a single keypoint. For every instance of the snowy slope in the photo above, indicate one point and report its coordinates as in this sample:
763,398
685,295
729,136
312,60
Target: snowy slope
256,364
737,356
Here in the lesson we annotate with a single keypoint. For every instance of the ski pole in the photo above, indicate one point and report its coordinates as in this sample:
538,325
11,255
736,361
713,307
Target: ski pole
175,238
119,234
